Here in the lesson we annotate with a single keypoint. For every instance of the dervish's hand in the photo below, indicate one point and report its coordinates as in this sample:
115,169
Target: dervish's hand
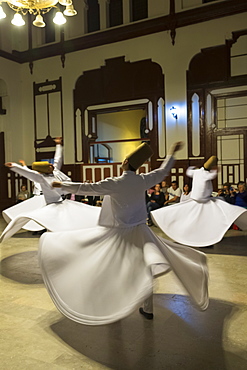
56,184
58,140
176,147
8,164
22,162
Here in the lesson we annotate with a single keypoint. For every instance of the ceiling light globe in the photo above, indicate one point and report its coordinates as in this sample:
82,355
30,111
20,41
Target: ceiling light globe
2,13
65,2
39,22
70,11
18,20
59,18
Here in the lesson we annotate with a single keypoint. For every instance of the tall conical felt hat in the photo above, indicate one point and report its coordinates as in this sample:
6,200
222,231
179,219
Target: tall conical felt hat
139,155
211,162
42,166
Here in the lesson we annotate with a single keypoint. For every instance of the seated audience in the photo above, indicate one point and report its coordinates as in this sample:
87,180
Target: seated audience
164,187
221,194
23,194
186,193
241,196
150,191
156,201
173,194
229,193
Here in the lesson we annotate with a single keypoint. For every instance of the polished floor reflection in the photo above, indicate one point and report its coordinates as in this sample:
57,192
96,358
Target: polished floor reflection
34,335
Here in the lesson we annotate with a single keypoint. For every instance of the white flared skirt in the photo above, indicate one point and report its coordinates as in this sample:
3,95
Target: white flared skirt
28,205
199,224
62,216
100,275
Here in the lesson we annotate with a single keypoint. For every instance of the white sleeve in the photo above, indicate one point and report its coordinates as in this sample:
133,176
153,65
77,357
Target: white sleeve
58,157
26,172
211,174
156,176
190,171
104,187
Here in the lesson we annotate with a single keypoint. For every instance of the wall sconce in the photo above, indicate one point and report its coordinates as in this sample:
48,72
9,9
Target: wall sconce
174,112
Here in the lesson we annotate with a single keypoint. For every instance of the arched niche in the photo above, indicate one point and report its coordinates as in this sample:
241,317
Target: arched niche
217,76
3,94
116,86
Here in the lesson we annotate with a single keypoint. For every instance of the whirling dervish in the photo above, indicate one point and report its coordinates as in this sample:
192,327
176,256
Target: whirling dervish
37,201
202,220
57,213
100,275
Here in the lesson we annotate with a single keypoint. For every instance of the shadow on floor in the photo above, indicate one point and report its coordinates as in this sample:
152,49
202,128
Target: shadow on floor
22,267
231,245
179,337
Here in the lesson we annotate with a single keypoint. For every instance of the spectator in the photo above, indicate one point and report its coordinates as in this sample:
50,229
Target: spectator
150,191
156,201
173,194
23,194
164,187
229,193
221,194
186,193
148,194
241,196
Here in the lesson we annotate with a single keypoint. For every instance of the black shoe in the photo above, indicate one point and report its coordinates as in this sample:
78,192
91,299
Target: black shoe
148,316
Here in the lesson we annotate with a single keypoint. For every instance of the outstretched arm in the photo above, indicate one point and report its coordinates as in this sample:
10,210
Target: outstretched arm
25,172
190,171
103,187
156,176
58,158
211,174
175,147
22,162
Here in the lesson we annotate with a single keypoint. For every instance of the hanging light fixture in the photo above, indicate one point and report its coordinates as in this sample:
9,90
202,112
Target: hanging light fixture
70,11
59,18
174,112
37,8
2,14
39,22
18,20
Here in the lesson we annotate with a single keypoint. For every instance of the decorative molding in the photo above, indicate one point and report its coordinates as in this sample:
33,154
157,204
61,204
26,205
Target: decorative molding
136,29
119,81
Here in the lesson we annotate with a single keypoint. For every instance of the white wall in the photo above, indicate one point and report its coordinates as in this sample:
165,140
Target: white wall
174,61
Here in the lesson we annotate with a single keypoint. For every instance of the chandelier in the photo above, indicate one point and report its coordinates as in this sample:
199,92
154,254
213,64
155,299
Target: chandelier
38,8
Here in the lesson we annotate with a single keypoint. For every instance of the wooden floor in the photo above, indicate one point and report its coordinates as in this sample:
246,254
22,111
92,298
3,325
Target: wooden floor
34,335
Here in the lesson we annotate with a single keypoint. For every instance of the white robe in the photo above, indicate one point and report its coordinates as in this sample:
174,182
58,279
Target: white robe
49,211
201,220
34,203
100,275
40,185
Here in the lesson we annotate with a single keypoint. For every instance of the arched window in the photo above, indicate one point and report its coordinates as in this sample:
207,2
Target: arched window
115,13
93,16
139,9
195,125
3,94
50,35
